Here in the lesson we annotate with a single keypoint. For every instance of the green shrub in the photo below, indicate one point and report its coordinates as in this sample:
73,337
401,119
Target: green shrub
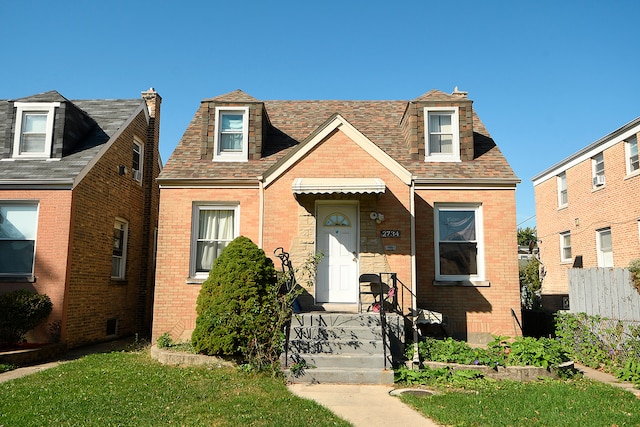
20,312
239,308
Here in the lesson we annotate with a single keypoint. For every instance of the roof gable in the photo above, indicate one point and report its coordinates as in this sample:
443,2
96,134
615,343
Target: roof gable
234,96
336,122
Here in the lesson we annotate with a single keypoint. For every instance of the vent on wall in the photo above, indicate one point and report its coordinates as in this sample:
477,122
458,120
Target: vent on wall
112,327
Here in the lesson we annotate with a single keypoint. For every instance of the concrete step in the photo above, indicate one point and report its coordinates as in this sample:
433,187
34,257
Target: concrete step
335,319
338,361
341,376
354,333
336,346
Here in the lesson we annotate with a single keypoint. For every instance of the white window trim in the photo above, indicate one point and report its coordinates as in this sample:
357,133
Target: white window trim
597,179
35,239
559,180
240,156
599,251
195,216
455,125
477,208
125,240
562,247
138,176
627,154
35,107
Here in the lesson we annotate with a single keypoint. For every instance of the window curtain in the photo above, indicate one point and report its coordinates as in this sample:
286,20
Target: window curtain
441,133
458,248
231,132
215,231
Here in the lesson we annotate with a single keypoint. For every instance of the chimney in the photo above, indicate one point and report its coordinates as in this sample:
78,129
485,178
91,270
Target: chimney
153,101
458,93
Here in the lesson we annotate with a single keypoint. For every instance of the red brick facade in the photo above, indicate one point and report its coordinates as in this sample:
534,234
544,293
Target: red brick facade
273,215
75,236
614,205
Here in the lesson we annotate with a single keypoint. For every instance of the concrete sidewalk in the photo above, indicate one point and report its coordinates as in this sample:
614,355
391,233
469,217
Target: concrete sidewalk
362,405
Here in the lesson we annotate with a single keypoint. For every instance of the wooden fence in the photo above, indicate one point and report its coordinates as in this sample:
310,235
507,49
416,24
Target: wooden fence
606,292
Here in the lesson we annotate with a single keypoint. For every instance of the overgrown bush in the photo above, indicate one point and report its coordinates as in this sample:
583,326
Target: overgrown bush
601,343
241,313
20,312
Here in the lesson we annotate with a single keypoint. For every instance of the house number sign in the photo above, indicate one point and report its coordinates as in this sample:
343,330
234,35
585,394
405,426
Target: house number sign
389,233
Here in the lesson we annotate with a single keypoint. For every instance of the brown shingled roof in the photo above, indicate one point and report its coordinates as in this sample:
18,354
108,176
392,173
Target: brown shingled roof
294,121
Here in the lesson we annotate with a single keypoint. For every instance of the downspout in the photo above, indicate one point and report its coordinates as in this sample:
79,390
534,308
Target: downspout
414,280
261,214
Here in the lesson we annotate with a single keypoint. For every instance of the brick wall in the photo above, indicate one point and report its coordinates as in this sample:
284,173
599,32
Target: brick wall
615,205
103,195
51,251
475,313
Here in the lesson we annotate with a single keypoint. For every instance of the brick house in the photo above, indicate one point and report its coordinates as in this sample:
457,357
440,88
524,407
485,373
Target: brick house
588,210
357,182
78,211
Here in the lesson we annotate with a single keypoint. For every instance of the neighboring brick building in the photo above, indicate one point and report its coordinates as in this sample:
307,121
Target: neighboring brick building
588,210
79,211
355,181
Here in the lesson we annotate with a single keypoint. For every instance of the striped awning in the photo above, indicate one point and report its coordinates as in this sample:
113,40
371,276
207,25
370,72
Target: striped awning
338,186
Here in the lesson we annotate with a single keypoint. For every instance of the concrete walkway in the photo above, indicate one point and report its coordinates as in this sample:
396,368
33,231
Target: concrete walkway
362,405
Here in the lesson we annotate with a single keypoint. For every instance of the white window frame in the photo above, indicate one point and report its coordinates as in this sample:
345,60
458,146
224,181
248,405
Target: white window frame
602,258
195,222
564,247
137,173
597,170
34,238
479,240
121,273
454,156
236,156
23,108
627,150
562,189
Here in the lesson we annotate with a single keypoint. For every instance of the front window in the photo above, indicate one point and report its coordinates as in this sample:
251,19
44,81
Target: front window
119,257
231,137
18,225
565,246
442,136
563,198
34,129
605,247
214,227
459,243
137,160
632,155
598,170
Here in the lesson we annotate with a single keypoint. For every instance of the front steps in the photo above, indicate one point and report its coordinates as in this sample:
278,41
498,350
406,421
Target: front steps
343,348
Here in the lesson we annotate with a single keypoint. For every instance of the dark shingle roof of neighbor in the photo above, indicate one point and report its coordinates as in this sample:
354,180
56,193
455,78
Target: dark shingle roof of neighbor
294,121
109,115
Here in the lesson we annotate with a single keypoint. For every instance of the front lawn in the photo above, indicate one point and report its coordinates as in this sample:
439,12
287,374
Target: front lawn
131,389
578,402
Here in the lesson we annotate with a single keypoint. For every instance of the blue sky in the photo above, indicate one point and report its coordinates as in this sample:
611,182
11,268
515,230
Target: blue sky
547,78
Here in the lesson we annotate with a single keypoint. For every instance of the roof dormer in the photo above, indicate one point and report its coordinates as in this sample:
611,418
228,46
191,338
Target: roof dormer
438,127
33,131
235,126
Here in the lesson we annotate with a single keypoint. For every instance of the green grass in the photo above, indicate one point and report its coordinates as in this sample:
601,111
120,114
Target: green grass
131,389
580,402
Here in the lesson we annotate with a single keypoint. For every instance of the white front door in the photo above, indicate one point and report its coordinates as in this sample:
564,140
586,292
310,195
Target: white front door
337,240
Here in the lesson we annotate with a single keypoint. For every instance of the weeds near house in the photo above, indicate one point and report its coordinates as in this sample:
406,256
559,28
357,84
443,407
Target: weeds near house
130,389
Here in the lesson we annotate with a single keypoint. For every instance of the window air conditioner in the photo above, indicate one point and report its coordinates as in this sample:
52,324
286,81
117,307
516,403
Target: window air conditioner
598,180
137,175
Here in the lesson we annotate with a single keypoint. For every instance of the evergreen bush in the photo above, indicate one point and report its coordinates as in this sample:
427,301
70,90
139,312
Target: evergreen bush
239,308
20,312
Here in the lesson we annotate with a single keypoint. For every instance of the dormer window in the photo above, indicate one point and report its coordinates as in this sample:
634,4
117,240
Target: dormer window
442,134
34,129
231,137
